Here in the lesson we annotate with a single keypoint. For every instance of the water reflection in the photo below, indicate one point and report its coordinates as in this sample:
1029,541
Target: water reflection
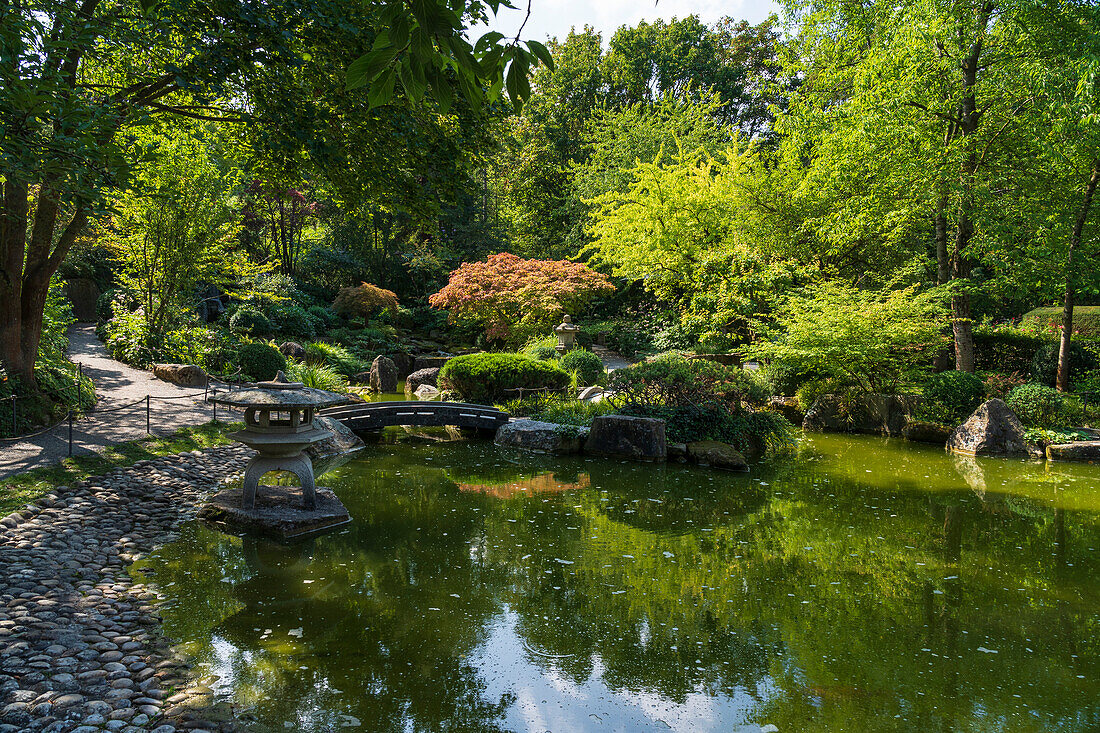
864,586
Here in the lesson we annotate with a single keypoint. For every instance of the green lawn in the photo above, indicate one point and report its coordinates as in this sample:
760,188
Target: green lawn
18,490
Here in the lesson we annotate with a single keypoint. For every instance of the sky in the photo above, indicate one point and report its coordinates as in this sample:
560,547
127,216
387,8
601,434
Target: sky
555,17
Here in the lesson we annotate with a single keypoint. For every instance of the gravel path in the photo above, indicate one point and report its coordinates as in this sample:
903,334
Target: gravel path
117,384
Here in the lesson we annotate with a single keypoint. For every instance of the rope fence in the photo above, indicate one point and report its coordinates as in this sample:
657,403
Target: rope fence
68,421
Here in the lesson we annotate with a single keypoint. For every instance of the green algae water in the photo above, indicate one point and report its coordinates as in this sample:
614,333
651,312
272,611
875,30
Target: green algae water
861,585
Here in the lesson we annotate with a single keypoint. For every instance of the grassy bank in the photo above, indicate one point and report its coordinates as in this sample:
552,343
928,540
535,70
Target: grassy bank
28,486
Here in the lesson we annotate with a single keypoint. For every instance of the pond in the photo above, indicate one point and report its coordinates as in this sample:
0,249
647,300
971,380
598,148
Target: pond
862,585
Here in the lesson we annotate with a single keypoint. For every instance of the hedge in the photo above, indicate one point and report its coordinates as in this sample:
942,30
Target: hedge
1086,320
492,378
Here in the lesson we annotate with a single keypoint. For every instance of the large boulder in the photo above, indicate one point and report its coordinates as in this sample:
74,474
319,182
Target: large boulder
918,431
292,350
383,375
404,363
427,376
541,437
427,392
881,414
185,375
993,430
640,438
717,455
335,451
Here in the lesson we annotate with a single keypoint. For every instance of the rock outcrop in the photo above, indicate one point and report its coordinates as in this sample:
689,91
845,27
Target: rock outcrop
383,375
716,454
335,451
541,437
292,350
622,436
993,430
185,375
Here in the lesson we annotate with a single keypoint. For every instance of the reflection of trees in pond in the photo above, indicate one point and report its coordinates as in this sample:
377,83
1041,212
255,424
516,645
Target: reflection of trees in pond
830,602
543,483
341,625
863,607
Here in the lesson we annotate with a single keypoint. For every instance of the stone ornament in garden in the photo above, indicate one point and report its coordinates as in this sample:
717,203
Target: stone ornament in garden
567,334
279,426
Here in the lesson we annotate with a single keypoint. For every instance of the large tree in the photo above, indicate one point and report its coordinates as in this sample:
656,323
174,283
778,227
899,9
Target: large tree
76,75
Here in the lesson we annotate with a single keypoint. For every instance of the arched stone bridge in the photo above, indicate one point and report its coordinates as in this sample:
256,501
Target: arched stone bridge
377,415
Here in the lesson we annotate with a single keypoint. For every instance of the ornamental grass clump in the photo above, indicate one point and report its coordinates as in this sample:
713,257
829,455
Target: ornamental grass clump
491,378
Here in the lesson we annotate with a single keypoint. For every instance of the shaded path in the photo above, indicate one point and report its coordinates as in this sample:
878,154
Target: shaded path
611,360
116,385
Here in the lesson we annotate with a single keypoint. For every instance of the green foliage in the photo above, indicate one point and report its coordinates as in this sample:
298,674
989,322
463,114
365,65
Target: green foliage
338,357
786,379
566,411
1038,405
999,384
105,305
260,361
587,366
1005,349
1062,435
250,321
748,431
875,342
318,376
294,321
1044,365
672,380
1048,321
949,397
494,377
542,348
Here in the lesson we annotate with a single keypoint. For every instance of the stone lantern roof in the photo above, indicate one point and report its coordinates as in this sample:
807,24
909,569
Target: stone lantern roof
279,394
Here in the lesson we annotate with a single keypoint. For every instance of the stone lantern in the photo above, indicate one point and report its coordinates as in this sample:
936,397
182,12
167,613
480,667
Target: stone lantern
567,334
278,425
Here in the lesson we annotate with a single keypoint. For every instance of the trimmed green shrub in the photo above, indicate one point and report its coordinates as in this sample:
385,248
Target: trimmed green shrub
1038,405
1086,320
587,365
260,361
105,305
1044,366
951,396
491,378
1005,349
248,321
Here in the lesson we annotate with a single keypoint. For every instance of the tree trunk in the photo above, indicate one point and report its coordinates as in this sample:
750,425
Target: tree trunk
1062,380
13,243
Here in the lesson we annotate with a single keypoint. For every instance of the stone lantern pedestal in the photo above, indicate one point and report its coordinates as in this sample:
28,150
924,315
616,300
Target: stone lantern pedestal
278,418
